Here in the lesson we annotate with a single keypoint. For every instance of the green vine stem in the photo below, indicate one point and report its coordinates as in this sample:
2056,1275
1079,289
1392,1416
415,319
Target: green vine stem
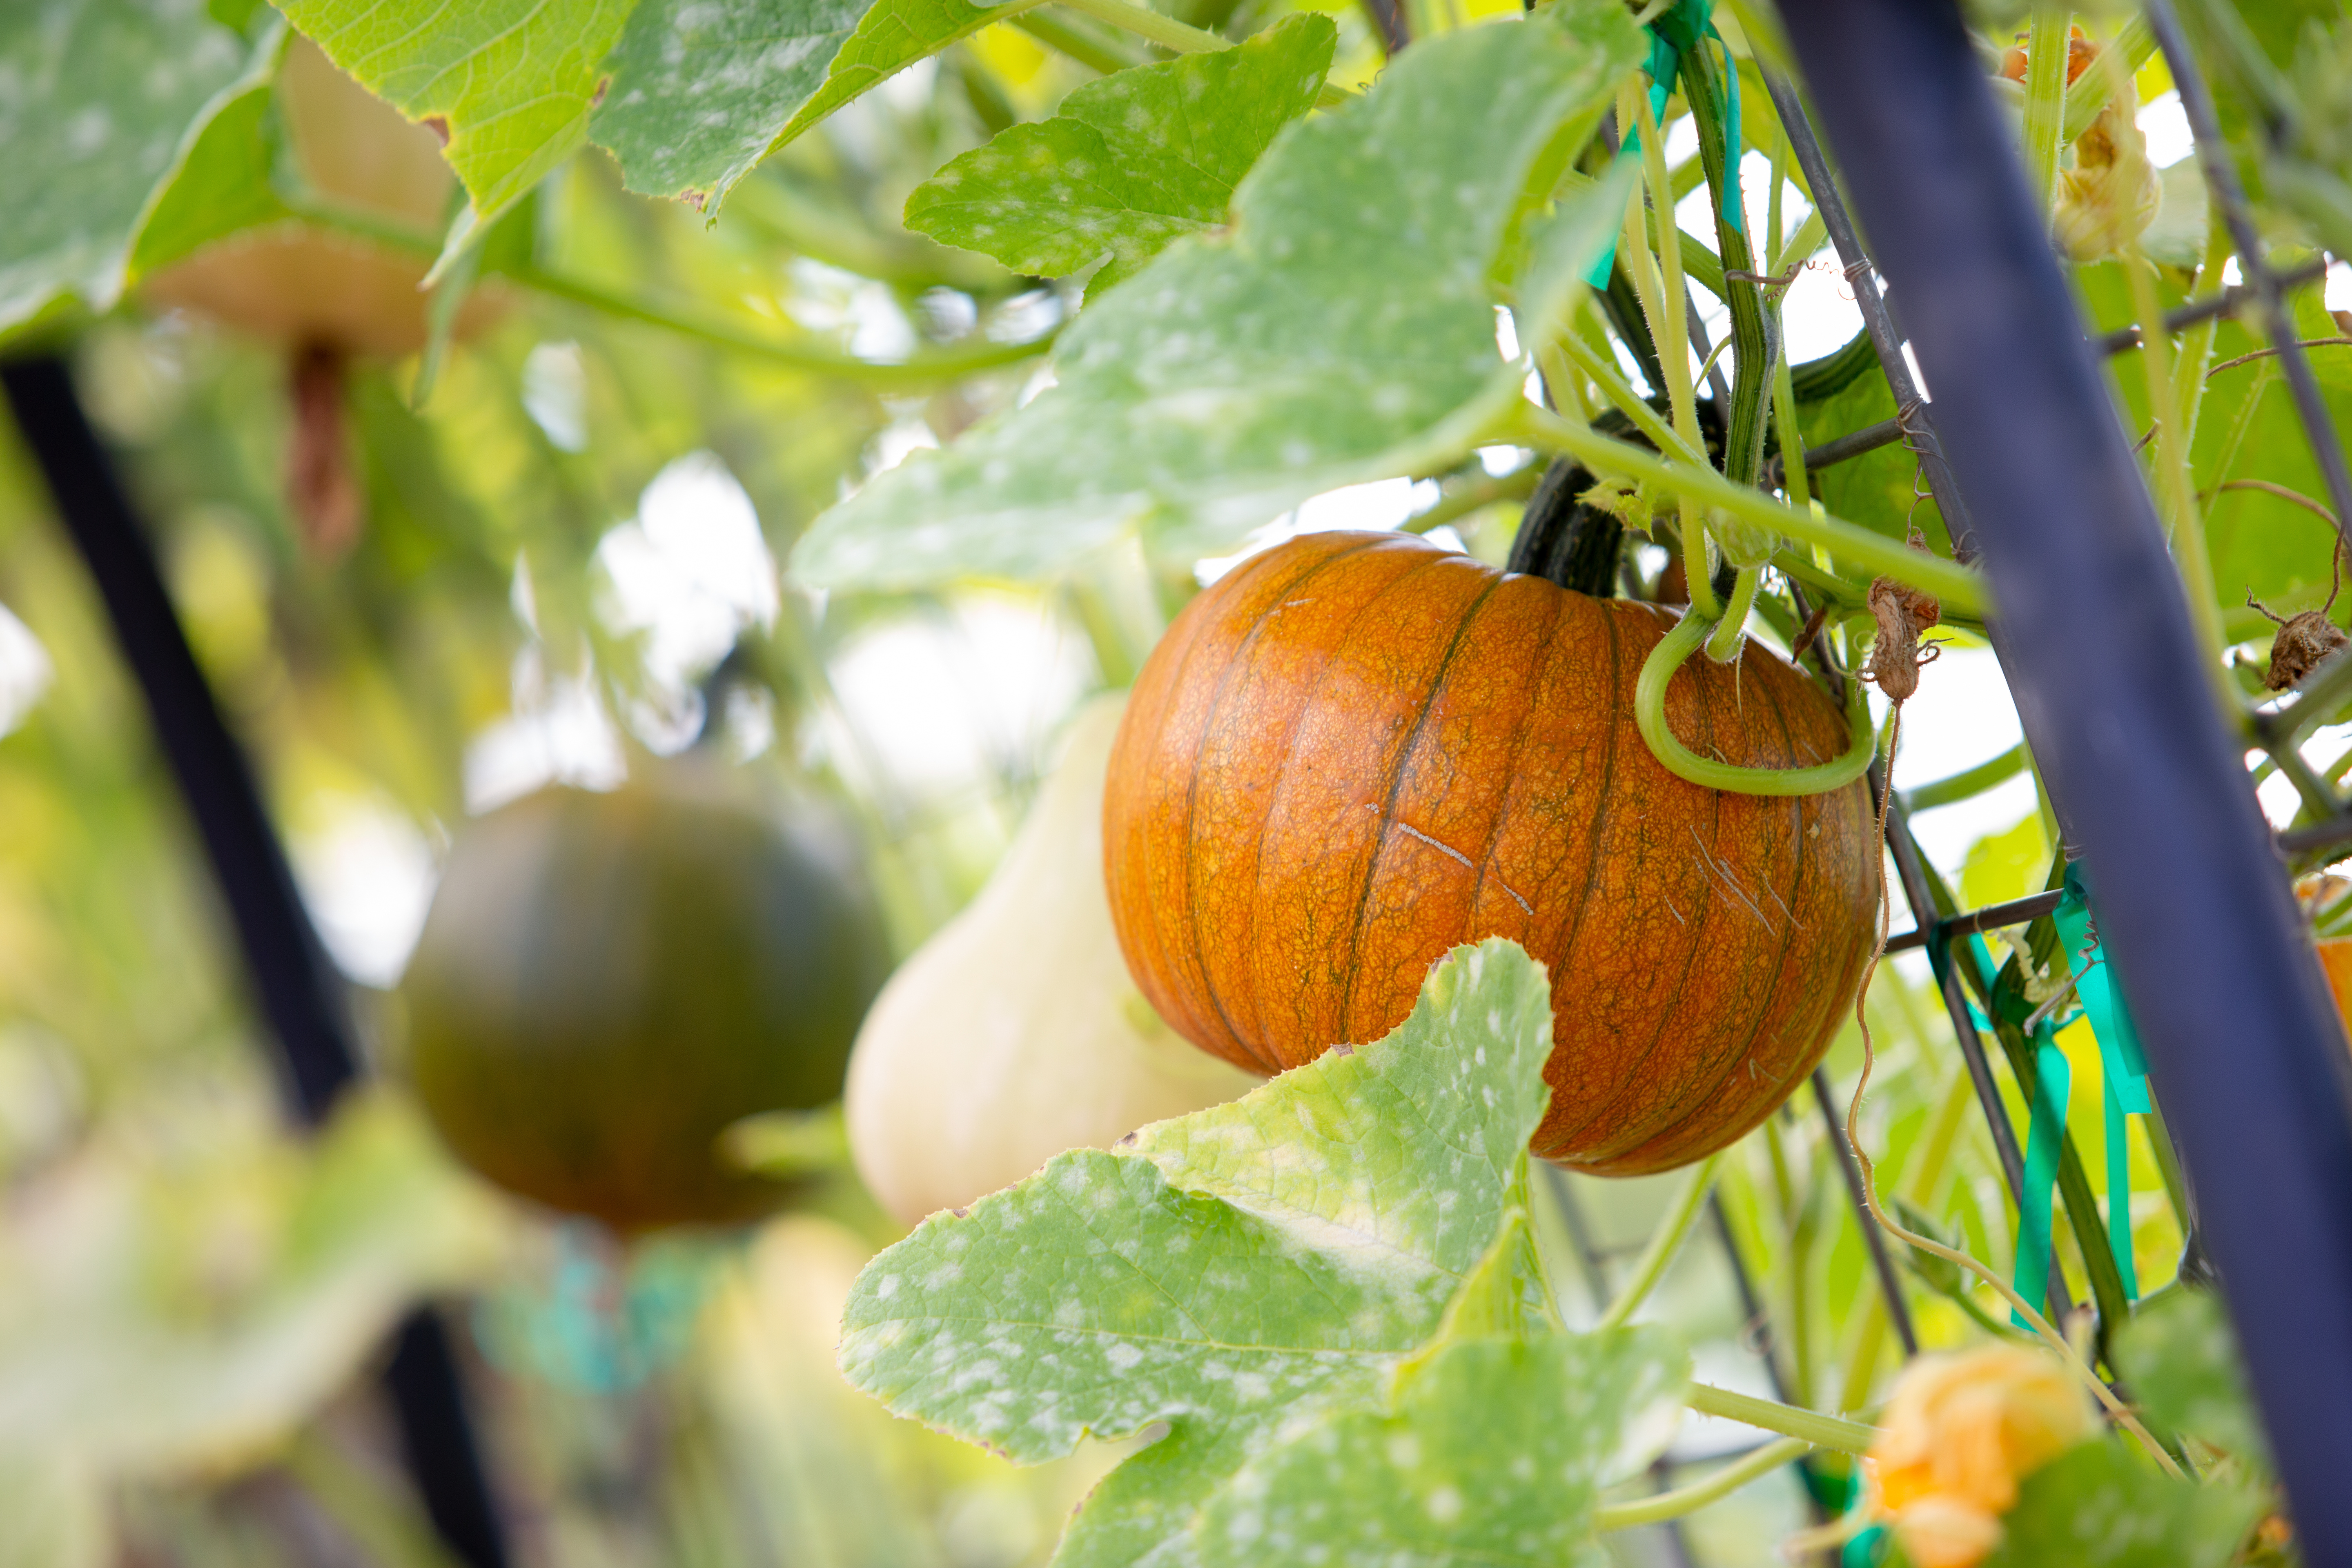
1961,591
1752,334
2136,43
1623,398
1808,1426
1665,301
1180,37
1656,1509
1664,1242
1723,643
2046,99
920,371
1650,715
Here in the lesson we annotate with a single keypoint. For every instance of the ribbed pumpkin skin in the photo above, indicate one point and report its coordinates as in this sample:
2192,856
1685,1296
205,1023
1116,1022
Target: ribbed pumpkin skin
1357,749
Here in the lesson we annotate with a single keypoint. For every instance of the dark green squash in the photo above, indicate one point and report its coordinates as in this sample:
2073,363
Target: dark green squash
607,981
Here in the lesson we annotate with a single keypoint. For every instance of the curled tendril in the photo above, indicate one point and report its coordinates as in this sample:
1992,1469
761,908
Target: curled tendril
1650,714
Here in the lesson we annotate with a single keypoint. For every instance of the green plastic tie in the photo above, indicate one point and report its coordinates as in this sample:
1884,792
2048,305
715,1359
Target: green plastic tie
1685,27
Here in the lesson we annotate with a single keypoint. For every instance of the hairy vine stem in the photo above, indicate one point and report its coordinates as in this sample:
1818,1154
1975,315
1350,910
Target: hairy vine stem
1752,332
1957,586
1765,1414
1658,280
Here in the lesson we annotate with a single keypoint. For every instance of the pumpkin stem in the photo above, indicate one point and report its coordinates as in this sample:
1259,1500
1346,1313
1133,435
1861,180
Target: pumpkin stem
1564,539
1650,714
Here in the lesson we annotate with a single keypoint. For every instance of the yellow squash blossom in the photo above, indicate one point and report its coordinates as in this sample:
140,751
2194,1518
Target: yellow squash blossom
1961,1432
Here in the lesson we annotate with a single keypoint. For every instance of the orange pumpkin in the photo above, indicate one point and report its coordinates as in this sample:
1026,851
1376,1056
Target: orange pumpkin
2336,960
1357,749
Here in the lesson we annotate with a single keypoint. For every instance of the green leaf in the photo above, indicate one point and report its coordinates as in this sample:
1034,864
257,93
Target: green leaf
1342,330
165,1316
1877,488
96,100
891,37
510,81
2100,1507
1223,1271
2182,1363
1492,1455
2177,236
223,185
700,93
1129,161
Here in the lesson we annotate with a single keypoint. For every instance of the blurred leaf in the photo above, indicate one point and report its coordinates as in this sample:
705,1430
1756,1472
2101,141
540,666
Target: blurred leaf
1223,1271
2001,866
1131,162
1492,1455
700,93
2181,1360
1343,331
2100,1507
160,1318
52,1512
2177,236
509,82
97,101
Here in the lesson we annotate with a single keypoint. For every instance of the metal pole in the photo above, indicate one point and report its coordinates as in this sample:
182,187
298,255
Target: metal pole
292,980
1890,1283
2194,909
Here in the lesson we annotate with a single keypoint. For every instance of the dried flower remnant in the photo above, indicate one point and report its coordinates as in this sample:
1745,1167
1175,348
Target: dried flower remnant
2304,641
1896,654
2110,195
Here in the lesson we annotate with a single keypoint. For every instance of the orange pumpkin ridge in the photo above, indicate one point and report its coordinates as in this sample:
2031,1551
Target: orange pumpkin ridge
1358,751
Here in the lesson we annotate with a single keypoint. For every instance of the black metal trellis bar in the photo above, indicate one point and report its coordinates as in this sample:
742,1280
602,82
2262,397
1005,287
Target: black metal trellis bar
2221,181
291,977
2195,914
2228,302
1830,202
1993,917
1922,900
1890,1282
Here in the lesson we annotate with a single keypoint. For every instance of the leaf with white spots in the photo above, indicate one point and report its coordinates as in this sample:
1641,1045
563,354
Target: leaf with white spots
1131,162
700,93
1226,1271
510,82
1493,1454
97,99
1341,331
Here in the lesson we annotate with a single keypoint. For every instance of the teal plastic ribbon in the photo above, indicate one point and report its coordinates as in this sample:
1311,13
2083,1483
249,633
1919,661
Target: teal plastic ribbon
1686,28
2125,1068
2045,1129
2045,1136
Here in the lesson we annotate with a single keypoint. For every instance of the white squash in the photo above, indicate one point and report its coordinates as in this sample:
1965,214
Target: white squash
1014,1033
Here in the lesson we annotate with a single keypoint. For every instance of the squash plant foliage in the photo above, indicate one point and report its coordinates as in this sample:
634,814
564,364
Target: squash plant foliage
1322,1302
